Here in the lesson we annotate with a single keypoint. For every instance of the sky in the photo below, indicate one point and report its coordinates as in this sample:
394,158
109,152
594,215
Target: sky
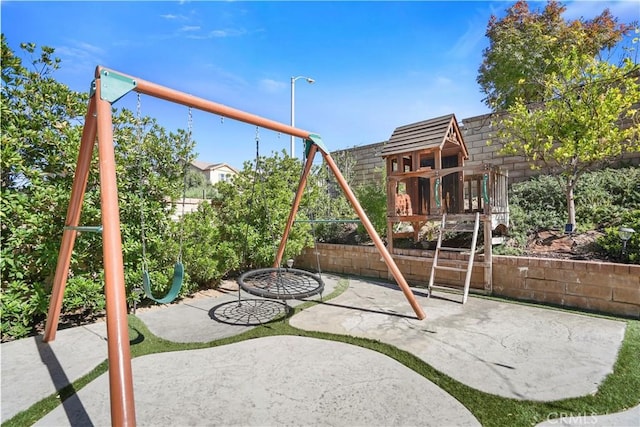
376,65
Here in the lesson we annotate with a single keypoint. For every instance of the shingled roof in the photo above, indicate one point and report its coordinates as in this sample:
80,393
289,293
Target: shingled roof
432,133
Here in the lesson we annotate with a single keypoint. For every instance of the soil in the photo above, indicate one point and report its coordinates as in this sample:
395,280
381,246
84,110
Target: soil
555,244
543,244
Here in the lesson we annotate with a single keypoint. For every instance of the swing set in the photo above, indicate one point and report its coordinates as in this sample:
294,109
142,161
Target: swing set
108,87
178,268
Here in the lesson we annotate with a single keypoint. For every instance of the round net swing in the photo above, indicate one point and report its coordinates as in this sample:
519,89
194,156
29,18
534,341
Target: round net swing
281,283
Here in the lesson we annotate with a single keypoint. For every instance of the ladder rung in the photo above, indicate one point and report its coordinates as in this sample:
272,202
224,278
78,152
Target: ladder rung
441,267
450,249
449,287
458,229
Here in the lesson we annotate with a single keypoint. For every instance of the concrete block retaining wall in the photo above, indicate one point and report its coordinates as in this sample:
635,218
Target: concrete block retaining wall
477,131
593,286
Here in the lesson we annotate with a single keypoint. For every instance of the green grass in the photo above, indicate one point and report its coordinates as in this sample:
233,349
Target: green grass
619,391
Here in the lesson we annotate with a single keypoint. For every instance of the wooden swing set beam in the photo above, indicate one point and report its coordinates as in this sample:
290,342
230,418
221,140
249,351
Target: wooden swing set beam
377,241
99,127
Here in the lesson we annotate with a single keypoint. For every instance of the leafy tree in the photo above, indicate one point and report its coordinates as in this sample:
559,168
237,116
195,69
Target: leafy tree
40,134
525,47
373,199
253,208
586,120
198,186
195,179
41,130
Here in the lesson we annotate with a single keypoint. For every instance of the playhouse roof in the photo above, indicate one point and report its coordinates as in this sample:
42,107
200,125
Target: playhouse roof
437,133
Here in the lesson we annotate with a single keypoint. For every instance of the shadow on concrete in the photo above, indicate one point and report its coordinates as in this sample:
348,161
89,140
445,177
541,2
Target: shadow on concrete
366,310
250,312
73,407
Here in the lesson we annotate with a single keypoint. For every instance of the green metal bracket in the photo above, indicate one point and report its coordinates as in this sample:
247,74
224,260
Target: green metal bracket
114,86
92,89
485,192
314,139
87,228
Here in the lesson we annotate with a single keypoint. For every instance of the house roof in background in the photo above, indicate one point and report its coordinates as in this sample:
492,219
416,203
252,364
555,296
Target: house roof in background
207,166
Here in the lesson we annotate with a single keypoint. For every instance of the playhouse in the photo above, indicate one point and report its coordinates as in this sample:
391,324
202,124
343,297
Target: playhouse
427,177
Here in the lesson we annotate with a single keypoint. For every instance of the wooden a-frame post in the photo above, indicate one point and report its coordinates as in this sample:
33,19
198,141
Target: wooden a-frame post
108,87
98,123
314,144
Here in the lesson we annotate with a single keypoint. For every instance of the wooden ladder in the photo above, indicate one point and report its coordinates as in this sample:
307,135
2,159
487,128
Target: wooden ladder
461,225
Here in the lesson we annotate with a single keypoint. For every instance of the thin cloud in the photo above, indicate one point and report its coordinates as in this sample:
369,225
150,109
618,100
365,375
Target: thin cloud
188,28
471,40
220,74
79,51
80,58
271,86
626,11
170,16
194,32
443,81
229,32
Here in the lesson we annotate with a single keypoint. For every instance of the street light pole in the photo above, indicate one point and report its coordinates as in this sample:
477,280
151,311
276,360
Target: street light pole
293,110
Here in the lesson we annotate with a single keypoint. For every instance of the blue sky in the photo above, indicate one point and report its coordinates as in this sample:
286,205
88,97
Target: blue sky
377,65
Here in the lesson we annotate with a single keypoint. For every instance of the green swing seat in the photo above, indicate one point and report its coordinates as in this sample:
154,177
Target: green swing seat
178,276
178,268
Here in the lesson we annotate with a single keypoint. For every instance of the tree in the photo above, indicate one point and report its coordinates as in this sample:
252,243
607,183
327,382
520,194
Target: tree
41,130
586,120
525,46
40,133
252,210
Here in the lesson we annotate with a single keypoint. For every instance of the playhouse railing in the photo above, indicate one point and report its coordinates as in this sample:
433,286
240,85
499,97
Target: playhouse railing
484,189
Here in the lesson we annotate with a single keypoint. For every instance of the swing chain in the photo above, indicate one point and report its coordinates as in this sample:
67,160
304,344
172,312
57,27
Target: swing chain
140,140
184,181
178,270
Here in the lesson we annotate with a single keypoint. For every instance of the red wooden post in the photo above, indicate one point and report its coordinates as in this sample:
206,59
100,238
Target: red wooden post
391,264
295,205
73,218
120,376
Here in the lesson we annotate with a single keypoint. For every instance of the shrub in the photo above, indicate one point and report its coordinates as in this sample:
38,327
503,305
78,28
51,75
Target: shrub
542,202
85,294
40,140
610,244
22,306
604,196
253,208
373,199
206,257
605,200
